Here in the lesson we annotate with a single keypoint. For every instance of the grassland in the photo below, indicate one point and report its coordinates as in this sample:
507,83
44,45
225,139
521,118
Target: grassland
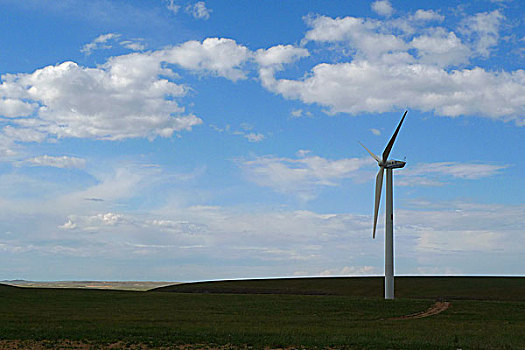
336,319
451,288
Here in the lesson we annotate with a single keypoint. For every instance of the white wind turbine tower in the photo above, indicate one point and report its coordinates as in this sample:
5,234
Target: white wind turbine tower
385,163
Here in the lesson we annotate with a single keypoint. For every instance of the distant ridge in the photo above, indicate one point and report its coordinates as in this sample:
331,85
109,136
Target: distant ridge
7,286
109,285
448,288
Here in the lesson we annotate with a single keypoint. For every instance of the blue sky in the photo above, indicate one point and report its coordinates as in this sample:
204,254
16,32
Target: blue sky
194,140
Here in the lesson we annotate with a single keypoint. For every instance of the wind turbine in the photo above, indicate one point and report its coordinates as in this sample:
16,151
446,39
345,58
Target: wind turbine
389,165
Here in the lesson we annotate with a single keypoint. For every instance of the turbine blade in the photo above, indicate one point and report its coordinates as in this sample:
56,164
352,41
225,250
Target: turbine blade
379,186
373,155
388,148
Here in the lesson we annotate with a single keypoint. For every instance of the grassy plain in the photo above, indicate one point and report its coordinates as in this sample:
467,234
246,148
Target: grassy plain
258,320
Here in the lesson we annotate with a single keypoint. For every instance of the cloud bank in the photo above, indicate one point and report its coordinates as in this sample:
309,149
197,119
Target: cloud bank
383,65
129,96
392,64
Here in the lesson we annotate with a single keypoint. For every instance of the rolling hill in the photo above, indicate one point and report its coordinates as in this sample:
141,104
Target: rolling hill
452,288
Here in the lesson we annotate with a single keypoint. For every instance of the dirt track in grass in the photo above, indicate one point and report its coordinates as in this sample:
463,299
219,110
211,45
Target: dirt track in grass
438,307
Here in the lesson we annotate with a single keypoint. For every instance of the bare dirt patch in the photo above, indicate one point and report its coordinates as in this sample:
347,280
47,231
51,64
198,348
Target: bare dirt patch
438,307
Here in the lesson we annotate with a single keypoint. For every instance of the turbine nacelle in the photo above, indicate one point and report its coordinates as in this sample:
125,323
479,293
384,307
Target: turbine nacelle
392,164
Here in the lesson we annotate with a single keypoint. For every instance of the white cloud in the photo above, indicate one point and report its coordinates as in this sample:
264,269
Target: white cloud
100,42
11,137
135,95
7,147
440,47
246,131
460,241
431,180
279,55
299,113
119,183
464,227
428,15
379,70
435,174
12,108
178,226
382,7
199,10
132,99
351,271
250,136
362,86
376,132
135,45
483,29
272,59
68,225
254,137
246,126
250,241
221,57
299,176
23,134
385,71
459,170
448,235
365,36
303,153
95,223
172,6
106,41
110,219
56,162
201,230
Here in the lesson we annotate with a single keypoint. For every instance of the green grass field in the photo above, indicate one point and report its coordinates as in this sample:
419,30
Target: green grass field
331,316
